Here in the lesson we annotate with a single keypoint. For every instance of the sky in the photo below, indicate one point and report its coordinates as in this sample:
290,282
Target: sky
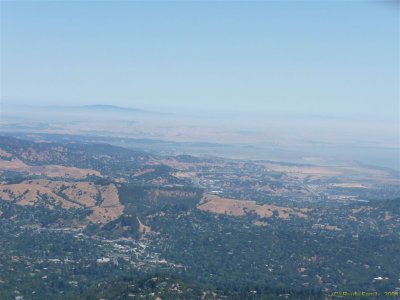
297,57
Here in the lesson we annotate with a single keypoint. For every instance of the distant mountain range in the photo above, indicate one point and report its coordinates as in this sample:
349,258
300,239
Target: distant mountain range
82,108
102,108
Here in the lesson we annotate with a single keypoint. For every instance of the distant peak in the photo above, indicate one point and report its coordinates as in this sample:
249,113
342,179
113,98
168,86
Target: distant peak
99,108
110,107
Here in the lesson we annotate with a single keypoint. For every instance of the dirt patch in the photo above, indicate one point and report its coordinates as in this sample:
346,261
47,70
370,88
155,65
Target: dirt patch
360,209
4,153
301,270
350,185
183,175
233,207
326,227
143,229
143,172
388,216
332,228
260,223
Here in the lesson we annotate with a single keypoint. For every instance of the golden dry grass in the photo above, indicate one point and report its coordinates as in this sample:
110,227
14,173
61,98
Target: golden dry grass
13,165
67,195
47,170
32,192
315,172
110,209
233,207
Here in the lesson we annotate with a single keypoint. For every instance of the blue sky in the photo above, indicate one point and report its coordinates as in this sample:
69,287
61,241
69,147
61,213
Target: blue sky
306,57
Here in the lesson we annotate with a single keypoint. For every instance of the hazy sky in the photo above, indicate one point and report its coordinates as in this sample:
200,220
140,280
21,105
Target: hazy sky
318,57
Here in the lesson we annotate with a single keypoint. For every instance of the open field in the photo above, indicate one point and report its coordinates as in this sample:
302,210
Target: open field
102,200
233,207
17,165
